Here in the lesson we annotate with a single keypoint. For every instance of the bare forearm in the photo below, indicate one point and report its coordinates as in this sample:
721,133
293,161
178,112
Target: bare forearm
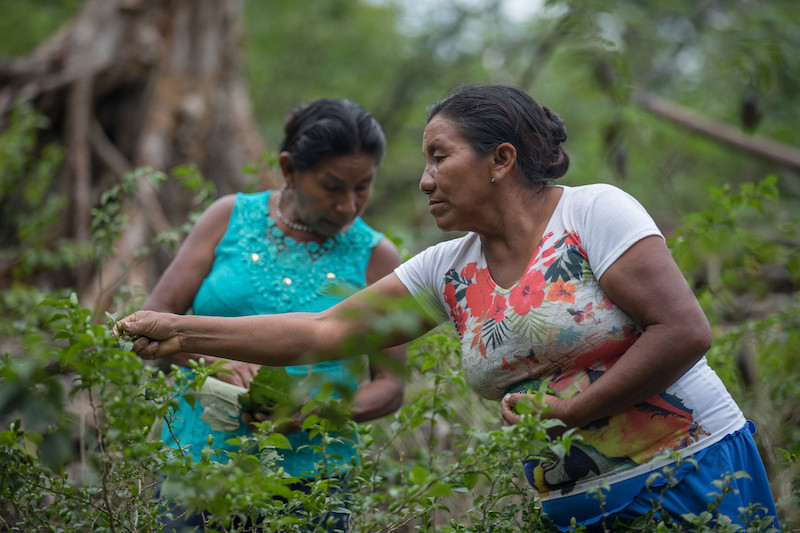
656,361
284,339
275,340
376,399
384,394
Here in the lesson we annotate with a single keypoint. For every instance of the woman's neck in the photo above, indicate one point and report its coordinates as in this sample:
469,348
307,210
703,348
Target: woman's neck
520,226
299,236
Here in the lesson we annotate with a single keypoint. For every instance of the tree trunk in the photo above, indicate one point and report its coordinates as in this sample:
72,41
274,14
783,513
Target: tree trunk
131,83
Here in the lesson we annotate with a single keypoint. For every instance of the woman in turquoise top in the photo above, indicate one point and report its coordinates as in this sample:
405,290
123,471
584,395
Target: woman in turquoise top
303,248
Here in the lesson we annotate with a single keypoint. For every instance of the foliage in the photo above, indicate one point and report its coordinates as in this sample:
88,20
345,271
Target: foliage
756,342
78,452
30,204
74,460
583,59
26,23
270,388
728,255
113,483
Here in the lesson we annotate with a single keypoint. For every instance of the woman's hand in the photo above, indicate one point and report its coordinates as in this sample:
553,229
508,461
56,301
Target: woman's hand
157,333
241,374
293,425
557,410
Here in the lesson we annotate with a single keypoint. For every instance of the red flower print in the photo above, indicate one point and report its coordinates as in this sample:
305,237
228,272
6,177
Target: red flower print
460,320
607,304
469,270
572,239
548,256
498,309
479,294
562,291
482,277
529,293
450,296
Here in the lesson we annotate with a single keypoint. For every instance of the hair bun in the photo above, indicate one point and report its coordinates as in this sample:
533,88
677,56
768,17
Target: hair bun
557,126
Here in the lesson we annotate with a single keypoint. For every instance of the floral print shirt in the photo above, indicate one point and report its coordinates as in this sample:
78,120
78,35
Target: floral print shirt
557,326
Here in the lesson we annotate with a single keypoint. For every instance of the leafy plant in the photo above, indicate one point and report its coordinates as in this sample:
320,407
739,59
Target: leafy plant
270,388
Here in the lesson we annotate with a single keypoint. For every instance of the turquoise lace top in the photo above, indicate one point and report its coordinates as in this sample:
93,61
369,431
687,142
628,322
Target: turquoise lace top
259,270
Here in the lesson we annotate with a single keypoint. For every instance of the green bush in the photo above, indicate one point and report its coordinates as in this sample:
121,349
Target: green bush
431,466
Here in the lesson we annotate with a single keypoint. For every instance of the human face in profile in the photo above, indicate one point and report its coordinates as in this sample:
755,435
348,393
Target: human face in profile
455,176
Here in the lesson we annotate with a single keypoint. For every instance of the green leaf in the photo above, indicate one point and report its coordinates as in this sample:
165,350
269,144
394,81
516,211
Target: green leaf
418,475
190,399
270,388
440,489
55,449
327,389
279,440
470,479
525,406
428,363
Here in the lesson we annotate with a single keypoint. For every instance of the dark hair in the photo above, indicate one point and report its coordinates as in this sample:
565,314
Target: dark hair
490,115
330,127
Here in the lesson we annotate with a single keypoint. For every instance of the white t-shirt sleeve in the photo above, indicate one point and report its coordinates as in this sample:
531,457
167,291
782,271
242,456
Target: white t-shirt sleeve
611,221
423,278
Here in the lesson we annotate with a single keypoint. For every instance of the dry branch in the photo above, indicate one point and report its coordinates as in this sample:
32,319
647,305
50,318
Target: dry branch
766,148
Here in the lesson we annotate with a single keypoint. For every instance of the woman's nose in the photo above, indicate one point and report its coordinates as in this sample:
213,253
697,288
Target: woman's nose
426,183
348,204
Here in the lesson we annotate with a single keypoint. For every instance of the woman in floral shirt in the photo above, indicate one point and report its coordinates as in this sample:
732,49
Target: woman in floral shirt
572,288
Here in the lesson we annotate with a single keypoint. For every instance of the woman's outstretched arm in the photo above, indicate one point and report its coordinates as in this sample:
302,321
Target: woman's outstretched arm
367,321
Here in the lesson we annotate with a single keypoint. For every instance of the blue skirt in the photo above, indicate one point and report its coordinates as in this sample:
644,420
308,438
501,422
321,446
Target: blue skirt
630,499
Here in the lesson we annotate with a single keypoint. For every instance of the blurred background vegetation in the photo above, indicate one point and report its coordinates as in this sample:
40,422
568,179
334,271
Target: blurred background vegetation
732,62
691,106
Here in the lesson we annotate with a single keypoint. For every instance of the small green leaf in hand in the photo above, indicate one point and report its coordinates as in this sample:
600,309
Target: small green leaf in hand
270,390
124,339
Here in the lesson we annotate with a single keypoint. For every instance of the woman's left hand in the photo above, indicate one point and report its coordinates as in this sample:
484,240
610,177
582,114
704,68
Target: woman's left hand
557,409
292,425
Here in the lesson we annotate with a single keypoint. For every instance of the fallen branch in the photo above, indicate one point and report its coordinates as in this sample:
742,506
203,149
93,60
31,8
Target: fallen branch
766,148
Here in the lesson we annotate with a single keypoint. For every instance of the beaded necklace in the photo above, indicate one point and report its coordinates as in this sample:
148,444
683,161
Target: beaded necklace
294,225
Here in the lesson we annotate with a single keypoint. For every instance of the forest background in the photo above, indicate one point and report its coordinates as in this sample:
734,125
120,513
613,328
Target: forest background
690,106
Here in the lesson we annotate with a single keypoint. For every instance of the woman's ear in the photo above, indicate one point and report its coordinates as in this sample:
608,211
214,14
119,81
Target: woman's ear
287,167
504,157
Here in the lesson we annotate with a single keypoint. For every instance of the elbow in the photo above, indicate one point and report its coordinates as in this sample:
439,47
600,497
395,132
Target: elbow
395,394
707,339
703,336
396,400
696,337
